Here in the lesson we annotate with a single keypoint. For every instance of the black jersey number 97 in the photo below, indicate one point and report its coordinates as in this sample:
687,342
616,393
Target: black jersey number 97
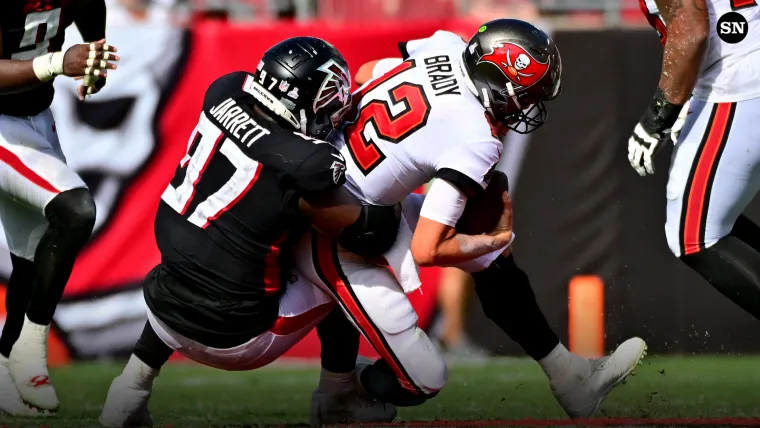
741,4
209,141
377,114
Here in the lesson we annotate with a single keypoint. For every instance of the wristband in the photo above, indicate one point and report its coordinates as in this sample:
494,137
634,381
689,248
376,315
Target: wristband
47,66
661,114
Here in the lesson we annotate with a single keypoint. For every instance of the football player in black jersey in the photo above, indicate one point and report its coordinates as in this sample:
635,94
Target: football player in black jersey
46,209
255,177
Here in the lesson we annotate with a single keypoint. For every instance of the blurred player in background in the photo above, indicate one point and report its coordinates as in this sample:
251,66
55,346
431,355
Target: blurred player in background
225,294
714,170
439,112
456,287
46,209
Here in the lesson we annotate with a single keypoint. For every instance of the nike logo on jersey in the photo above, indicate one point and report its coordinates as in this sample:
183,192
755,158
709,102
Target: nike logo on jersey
338,156
232,117
440,73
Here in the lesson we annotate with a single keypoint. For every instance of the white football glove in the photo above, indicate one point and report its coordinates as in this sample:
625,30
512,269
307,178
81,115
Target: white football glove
641,149
652,132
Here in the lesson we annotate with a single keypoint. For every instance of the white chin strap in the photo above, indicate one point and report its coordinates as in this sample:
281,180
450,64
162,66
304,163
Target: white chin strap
485,97
265,97
513,95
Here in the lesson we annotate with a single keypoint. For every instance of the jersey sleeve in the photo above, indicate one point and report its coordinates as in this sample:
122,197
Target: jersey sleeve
385,65
229,85
324,169
408,49
311,164
469,166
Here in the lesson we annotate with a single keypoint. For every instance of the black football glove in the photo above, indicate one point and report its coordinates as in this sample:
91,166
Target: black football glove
651,133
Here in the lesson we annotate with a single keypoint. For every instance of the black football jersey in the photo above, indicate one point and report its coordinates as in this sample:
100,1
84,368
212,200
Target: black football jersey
229,217
31,28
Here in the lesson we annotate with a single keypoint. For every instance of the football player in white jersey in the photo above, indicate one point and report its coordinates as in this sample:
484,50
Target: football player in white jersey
439,112
714,169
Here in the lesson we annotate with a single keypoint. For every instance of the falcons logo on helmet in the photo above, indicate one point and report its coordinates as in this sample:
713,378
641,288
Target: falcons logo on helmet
520,67
337,84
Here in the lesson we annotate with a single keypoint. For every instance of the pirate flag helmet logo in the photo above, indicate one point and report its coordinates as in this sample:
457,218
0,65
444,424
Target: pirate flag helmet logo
516,64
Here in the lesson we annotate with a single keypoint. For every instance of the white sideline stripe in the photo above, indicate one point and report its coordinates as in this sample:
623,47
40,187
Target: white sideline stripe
96,313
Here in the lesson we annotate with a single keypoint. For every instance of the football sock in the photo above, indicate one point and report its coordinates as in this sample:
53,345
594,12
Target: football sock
557,362
331,382
17,297
507,298
732,266
340,342
71,217
151,350
32,342
139,374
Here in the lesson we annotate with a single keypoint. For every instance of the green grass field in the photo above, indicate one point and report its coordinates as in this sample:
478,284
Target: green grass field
502,392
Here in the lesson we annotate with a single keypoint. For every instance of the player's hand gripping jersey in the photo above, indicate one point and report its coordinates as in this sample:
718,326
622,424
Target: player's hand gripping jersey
224,218
418,120
729,72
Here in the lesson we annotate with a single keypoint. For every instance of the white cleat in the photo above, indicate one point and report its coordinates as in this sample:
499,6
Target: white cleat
126,406
586,384
27,365
348,408
10,401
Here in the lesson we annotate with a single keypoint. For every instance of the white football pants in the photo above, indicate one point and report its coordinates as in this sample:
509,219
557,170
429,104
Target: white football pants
714,173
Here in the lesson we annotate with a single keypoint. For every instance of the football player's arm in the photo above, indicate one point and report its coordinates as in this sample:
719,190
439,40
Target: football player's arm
367,230
374,69
20,75
688,26
436,241
90,20
15,75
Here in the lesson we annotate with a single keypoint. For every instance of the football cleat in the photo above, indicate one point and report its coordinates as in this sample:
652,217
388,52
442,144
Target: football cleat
10,400
126,406
584,386
354,405
28,368
348,408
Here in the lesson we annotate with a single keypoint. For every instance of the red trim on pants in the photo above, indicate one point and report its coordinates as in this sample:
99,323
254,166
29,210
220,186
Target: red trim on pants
9,158
695,215
328,268
285,326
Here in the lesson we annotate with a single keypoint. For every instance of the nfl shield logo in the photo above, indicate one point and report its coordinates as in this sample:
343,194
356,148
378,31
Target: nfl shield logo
284,86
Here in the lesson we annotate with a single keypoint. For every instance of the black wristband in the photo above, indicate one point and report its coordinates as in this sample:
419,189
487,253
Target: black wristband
661,114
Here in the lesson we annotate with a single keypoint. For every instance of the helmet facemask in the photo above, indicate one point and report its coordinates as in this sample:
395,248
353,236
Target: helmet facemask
520,112
328,118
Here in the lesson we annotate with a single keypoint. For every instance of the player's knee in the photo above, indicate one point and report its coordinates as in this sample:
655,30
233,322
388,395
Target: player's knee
423,364
72,212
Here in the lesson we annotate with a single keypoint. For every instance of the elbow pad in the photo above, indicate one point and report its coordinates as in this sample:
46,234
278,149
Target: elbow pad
374,233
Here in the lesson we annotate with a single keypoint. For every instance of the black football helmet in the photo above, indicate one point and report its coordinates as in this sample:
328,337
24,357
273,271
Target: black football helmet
306,82
514,67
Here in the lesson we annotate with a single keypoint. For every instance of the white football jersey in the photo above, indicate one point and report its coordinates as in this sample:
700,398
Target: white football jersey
417,120
729,72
